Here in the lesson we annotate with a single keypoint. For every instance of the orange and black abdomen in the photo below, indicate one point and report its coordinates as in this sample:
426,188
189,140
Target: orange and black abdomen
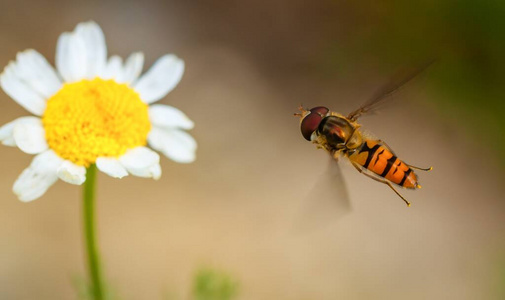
379,160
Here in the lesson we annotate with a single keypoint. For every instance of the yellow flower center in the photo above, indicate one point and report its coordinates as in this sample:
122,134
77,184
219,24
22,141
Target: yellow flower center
95,118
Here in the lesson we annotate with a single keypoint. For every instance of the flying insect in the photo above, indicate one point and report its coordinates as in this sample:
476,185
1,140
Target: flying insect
342,136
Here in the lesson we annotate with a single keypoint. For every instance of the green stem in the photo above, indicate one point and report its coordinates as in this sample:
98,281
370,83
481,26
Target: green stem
89,233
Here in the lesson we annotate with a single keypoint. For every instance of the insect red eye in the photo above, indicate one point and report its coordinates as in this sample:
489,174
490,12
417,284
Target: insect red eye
320,110
309,124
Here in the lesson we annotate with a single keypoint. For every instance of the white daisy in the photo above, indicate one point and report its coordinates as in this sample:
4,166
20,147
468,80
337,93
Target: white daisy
92,110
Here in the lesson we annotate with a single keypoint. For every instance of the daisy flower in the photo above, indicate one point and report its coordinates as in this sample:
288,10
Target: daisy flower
92,110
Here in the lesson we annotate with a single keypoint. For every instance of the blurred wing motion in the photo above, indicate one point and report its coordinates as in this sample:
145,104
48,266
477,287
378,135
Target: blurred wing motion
326,203
388,90
342,136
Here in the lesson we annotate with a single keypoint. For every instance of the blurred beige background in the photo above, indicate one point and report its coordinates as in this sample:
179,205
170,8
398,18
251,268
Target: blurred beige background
248,66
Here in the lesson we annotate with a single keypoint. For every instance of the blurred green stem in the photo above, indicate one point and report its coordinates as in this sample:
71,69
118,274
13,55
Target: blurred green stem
89,233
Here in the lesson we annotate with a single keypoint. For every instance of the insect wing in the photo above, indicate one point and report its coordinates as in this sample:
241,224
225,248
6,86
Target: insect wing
327,201
388,90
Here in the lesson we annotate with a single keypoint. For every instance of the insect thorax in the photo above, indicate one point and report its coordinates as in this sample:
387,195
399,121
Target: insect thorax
340,133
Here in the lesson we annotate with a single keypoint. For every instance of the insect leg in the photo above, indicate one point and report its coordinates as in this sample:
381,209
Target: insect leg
391,186
422,169
335,153
413,167
358,167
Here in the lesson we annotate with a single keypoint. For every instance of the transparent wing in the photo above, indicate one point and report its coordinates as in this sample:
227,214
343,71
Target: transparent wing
326,203
388,90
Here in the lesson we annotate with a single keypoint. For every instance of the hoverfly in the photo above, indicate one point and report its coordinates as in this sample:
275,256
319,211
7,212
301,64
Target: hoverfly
341,135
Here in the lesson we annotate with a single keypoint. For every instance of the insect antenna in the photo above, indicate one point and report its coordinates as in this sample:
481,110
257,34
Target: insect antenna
302,111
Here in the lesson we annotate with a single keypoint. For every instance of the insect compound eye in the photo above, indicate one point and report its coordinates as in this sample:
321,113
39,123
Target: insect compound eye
321,110
309,124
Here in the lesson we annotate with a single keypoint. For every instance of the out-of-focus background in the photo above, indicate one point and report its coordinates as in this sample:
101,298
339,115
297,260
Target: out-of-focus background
249,64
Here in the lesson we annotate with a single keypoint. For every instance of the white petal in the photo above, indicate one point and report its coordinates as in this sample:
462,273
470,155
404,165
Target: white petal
132,68
71,57
33,69
6,134
161,78
111,166
7,131
166,116
142,162
21,92
72,173
9,142
174,144
155,170
38,177
29,135
95,48
114,68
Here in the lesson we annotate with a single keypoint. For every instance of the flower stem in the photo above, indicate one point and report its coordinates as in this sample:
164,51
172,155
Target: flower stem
89,233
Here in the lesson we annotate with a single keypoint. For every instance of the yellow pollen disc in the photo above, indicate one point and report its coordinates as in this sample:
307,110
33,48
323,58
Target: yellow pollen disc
95,118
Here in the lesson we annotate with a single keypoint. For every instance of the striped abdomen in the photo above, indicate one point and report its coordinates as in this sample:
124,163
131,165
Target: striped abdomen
378,159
